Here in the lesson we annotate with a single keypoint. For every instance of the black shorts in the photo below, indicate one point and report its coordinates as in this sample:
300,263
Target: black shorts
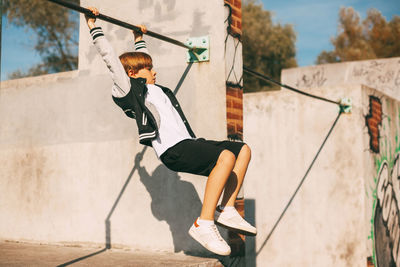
197,156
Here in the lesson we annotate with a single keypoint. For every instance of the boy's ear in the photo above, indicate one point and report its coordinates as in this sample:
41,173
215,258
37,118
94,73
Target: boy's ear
131,73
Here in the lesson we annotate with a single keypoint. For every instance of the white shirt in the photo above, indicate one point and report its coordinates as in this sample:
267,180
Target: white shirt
171,130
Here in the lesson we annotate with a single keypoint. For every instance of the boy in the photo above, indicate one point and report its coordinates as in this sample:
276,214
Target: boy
162,125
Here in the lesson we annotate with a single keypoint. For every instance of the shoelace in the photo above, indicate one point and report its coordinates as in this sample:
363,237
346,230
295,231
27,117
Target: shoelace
216,232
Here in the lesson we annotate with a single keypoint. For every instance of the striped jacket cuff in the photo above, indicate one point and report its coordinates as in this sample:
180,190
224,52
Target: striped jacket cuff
96,32
140,45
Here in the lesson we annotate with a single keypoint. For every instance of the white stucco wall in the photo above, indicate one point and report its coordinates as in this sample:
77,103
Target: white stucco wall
67,150
324,225
380,74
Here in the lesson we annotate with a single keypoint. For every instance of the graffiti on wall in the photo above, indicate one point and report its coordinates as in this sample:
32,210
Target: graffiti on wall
377,73
386,218
314,79
385,222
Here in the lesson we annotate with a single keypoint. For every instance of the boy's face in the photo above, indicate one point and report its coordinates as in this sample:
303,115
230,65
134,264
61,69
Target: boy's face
147,73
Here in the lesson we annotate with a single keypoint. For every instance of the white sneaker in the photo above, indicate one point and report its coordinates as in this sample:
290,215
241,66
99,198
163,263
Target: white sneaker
232,220
208,236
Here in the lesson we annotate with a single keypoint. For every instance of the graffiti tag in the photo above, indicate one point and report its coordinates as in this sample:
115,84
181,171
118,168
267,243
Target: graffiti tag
312,80
377,73
387,227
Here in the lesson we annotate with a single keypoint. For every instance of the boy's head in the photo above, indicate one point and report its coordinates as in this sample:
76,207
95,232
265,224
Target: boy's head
138,65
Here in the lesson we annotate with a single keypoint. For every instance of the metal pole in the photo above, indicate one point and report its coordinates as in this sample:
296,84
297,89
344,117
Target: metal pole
120,23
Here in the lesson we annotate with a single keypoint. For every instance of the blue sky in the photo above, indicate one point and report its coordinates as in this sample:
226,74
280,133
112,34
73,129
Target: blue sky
17,49
315,22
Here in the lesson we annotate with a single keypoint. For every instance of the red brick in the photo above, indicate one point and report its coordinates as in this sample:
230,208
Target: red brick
234,110
374,131
239,128
235,30
375,143
377,114
373,128
236,12
238,4
239,24
231,115
373,121
231,92
237,104
376,104
229,103
236,123
231,128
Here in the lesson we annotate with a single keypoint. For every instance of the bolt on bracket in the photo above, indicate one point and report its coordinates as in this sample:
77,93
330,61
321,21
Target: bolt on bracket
200,51
346,105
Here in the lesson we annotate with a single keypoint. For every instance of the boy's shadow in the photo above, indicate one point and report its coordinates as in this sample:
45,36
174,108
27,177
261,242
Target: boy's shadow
174,201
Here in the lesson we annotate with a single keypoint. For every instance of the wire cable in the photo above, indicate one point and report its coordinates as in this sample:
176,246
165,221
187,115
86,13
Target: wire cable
300,184
120,23
266,78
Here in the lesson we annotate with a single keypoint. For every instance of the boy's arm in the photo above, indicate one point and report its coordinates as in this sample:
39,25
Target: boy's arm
140,44
121,81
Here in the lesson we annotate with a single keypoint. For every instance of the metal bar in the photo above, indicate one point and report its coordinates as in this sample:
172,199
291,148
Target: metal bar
120,23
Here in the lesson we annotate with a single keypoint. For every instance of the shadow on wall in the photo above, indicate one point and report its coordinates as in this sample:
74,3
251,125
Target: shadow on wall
174,201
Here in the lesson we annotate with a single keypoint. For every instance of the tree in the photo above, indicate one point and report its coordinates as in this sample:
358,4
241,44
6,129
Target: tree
56,30
372,38
267,47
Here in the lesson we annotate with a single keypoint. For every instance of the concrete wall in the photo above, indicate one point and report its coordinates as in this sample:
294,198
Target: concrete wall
70,158
72,170
342,215
324,225
382,75
382,179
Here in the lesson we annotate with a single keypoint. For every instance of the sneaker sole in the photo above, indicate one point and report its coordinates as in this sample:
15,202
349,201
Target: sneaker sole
197,238
236,230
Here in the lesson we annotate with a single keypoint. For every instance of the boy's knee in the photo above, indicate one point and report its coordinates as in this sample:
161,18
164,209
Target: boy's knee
227,157
246,151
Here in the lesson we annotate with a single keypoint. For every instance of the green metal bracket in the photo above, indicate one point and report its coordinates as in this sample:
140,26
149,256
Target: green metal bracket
201,49
346,105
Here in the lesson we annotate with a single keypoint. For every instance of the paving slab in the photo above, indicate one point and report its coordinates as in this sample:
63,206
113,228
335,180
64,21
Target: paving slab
27,254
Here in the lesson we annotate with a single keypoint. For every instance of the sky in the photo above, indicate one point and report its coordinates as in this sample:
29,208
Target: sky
315,22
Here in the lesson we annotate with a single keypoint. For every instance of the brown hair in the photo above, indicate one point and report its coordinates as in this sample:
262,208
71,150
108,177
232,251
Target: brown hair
135,61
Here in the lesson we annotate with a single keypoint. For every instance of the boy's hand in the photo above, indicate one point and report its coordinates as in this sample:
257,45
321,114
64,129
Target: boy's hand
90,20
139,34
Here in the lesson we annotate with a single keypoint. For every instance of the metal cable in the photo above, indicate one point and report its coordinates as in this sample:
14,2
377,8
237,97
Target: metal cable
300,184
266,78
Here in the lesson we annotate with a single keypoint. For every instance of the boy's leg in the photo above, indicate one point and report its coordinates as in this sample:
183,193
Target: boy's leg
216,183
204,230
229,217
236,178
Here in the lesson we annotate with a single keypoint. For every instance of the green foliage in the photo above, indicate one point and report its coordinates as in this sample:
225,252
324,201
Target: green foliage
358,40
267,47
56,32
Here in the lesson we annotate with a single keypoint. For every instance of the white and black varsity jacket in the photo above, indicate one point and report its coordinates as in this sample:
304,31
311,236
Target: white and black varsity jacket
129,93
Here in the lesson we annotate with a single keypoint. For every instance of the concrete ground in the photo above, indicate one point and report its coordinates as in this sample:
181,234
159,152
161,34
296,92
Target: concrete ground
26,254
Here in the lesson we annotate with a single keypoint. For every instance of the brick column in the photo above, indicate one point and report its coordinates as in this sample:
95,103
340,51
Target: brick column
234,98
